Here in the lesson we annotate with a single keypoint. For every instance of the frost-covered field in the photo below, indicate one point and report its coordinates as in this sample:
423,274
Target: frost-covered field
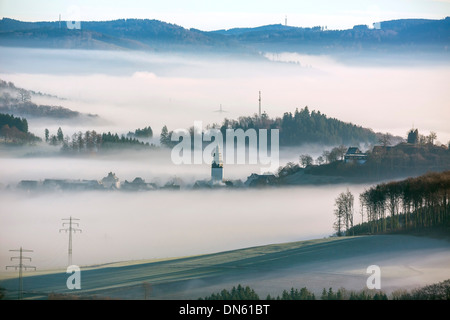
405,262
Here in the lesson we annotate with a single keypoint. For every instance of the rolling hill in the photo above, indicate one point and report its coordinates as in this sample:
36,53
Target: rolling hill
18,102
145,34
406,262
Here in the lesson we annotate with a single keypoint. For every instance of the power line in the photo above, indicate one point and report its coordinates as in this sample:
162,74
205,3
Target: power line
70,229
21,266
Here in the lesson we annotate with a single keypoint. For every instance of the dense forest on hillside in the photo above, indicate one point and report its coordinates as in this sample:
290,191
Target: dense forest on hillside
91,141
14,130
304,126
295,129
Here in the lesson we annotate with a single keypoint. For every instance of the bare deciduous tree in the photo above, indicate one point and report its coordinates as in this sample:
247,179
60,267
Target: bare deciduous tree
344,212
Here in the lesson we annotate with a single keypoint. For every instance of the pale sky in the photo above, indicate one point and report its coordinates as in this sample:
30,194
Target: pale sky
212,15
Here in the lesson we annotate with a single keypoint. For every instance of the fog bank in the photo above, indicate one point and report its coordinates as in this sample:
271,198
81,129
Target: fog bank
119,226
136,89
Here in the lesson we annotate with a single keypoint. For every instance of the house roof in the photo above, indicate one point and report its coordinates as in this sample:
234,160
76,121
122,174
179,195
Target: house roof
111,177
353,150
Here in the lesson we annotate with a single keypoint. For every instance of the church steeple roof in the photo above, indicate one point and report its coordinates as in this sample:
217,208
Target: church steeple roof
217,157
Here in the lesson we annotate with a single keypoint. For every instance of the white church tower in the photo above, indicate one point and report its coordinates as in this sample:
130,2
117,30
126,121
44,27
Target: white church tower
217,166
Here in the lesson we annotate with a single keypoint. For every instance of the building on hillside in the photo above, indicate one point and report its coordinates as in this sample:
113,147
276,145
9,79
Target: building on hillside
413,136
354,155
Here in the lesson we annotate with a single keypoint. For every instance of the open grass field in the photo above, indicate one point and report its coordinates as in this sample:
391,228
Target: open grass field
406,262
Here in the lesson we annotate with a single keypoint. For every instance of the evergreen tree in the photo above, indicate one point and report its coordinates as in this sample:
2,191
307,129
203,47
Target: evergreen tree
165,137
60,135
53,140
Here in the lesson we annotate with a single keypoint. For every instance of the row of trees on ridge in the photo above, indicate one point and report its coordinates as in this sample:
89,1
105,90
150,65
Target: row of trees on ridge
410,204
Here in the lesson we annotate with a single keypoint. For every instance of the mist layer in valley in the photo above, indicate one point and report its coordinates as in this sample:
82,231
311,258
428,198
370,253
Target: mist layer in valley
134,89
118,226
130,90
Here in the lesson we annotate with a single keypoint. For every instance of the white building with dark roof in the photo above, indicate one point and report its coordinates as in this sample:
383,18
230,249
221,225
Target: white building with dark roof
354,155
217,166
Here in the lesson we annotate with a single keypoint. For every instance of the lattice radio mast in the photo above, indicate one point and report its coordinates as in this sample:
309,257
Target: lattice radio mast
70,229
21,266
260,104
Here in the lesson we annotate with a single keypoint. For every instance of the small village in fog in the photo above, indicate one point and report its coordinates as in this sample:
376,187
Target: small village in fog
111,182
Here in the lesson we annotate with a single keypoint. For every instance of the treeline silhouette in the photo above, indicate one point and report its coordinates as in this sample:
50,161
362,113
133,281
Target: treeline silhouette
388,162
411,204
15,130
236,293
392,36
295,129
20,123
110,139
304,126
17,101
91,141
146,132
438,291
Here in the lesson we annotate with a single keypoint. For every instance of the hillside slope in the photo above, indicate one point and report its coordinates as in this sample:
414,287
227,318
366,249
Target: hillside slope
405,261
407,35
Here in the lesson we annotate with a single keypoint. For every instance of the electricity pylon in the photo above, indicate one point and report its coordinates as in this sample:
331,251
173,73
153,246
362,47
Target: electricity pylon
70,229
21,266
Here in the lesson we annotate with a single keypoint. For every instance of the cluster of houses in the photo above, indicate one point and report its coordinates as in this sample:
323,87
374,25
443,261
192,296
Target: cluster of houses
112,182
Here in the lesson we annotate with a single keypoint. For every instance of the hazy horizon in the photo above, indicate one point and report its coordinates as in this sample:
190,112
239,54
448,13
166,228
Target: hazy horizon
211,15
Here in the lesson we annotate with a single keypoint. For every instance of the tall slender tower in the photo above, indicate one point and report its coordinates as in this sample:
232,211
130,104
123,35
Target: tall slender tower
260,104
217,166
